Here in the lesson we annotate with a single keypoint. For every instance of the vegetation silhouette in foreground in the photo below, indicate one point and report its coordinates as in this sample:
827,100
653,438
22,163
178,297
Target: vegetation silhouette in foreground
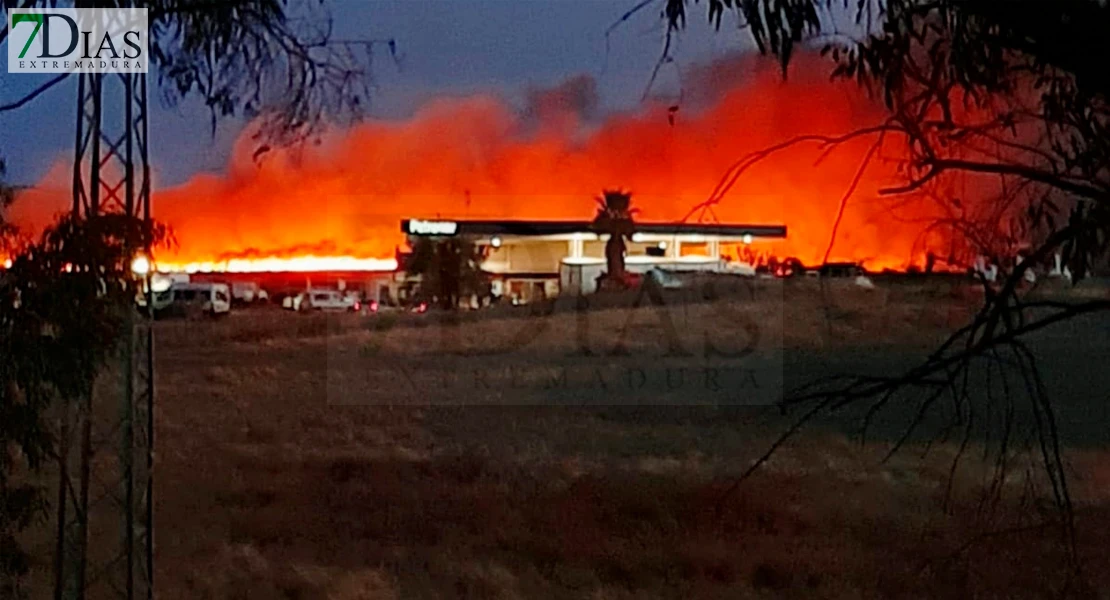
63,306
275,62
1010,93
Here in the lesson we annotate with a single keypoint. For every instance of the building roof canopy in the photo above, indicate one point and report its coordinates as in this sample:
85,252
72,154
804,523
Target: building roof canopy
440,227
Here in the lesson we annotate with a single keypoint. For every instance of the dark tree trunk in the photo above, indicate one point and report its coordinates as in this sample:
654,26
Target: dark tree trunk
614,257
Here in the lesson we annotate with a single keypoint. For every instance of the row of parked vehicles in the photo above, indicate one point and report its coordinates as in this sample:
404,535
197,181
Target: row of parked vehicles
323,300
183,298
339,301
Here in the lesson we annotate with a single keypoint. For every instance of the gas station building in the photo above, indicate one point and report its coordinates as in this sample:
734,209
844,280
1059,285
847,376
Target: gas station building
530,260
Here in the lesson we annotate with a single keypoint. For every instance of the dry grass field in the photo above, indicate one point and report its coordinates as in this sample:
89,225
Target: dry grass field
350,458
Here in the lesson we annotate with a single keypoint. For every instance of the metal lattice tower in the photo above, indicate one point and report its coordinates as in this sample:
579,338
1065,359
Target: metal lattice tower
104,503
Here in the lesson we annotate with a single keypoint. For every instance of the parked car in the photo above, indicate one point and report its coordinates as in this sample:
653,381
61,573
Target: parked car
185,299
323,300
742,269
664,279
248,292
375,307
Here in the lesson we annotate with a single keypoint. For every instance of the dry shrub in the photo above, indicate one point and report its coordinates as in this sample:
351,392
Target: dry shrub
268,491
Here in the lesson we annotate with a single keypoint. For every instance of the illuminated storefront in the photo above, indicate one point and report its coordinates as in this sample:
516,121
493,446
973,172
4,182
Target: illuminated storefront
529,260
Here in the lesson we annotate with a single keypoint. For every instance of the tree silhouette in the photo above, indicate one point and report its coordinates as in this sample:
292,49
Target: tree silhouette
450,269
274,61
615,218
1014,91
62,310
62,301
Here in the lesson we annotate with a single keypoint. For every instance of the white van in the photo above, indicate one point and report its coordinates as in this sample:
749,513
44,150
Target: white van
213,299
248,292
323,300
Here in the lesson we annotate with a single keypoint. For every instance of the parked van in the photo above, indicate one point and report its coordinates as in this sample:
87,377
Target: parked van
323,300
248,292
185,299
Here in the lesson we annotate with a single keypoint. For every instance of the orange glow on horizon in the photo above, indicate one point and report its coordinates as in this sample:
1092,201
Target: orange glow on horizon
296,264
338,204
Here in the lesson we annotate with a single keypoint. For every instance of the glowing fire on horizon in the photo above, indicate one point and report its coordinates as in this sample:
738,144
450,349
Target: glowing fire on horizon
296,264
337,205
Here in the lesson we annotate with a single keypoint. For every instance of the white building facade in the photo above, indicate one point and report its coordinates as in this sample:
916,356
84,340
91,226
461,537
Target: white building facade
530,260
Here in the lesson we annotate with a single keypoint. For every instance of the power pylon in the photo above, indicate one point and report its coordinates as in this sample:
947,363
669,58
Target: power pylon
105,545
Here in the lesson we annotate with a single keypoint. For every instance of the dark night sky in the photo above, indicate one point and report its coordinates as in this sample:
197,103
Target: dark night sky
449,47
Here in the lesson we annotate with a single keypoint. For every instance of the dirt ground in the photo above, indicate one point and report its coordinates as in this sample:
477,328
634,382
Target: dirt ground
543,456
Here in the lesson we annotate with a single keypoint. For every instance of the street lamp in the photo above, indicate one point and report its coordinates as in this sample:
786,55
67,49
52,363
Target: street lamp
140,266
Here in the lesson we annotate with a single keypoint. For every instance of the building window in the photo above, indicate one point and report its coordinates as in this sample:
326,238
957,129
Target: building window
694,249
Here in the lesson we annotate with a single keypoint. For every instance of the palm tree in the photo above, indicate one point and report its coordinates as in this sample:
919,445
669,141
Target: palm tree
615,218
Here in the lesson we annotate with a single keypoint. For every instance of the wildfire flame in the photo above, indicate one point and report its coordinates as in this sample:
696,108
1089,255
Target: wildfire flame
337,205
274,264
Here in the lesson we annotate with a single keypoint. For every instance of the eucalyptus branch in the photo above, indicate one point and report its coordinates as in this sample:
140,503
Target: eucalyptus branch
733,173
851,190
936,166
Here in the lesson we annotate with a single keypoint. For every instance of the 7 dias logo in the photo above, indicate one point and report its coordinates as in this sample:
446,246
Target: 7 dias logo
77,40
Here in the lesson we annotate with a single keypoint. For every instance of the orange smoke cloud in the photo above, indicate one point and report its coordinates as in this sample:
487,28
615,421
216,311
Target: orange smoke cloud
478,157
